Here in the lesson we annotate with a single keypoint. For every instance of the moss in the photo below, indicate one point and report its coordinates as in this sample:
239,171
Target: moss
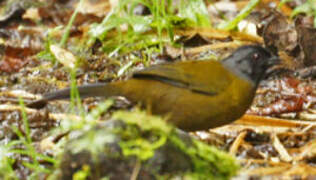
112,149
82,174
208,161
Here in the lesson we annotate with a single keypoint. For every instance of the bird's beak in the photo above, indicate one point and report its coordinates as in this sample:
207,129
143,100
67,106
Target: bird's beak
273,64
274,60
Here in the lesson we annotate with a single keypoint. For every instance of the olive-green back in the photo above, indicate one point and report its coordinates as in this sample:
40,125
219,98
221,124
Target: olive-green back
207,77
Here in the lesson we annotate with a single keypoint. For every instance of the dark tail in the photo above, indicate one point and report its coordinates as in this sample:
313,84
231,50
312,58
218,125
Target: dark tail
91,90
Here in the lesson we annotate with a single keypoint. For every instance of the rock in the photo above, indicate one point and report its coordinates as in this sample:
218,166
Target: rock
137,145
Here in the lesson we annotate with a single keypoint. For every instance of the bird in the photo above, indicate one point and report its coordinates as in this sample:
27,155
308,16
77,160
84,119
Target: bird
193,94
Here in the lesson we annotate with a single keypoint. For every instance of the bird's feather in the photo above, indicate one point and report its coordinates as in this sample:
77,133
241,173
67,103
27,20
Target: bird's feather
193,75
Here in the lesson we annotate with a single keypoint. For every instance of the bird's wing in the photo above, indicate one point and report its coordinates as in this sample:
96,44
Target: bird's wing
206,77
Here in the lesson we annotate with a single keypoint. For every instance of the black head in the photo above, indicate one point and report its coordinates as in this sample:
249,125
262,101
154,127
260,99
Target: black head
251,62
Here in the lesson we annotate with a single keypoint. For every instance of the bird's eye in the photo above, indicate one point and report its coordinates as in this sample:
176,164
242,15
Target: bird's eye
255,56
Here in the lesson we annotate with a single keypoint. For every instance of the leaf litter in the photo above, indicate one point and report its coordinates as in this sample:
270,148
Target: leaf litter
280,143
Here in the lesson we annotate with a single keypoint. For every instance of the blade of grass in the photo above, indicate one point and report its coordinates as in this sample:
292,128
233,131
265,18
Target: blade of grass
75,100
25,121
68,27
29,149
242,15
